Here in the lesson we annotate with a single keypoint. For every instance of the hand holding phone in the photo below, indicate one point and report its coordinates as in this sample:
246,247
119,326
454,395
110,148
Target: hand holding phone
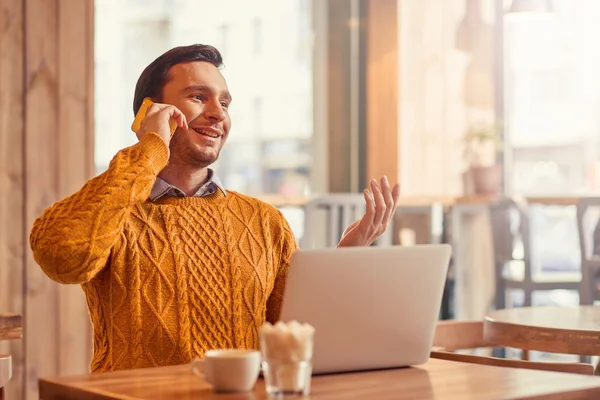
163,119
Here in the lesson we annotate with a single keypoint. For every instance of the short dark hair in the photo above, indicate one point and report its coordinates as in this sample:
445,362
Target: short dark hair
153,78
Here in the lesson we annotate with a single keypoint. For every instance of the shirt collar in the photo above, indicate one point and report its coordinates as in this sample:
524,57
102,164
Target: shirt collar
163,188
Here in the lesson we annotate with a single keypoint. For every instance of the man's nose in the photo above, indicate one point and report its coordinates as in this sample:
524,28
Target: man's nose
213,111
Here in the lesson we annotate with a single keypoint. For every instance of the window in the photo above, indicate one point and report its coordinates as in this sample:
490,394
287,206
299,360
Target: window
304,30
257,35
552,91
224,32
257,113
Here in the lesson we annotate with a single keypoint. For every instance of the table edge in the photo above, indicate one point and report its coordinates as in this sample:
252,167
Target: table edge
49,386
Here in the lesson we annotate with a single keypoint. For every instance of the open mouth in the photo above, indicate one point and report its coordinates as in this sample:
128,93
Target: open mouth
208,132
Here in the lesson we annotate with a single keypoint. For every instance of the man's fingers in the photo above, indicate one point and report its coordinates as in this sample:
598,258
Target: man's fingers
161,119
154,107
379,203
367,219
389,199
396,195
172,112
178,116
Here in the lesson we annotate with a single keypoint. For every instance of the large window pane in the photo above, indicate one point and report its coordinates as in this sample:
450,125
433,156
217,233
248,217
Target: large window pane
552,91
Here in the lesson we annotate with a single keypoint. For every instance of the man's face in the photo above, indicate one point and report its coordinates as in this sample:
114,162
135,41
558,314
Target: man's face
199,90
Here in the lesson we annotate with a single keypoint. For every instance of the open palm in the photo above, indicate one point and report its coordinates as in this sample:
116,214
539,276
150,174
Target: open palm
381,202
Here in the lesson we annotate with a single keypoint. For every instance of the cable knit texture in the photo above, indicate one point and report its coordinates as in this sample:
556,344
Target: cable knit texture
165,281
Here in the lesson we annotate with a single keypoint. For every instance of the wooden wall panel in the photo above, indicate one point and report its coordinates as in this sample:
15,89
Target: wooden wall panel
12,236
382,90
75,97
41,181
319,177
59,158
339,96
46,153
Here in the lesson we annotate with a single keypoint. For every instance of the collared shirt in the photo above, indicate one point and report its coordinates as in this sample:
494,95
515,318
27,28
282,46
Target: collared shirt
162,188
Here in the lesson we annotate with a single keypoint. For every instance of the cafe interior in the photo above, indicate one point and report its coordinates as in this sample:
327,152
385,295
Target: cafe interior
485,112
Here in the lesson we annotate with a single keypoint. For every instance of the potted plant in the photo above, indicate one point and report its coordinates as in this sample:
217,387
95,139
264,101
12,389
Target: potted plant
482,146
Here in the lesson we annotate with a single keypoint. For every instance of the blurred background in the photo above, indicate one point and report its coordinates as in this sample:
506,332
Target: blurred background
487,115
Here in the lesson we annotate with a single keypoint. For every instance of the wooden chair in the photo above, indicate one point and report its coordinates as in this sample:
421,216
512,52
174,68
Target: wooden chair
11,327
590,262
338,211
5,372
451,336
510,223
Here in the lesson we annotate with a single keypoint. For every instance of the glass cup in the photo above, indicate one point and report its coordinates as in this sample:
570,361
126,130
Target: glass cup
291,378
287,358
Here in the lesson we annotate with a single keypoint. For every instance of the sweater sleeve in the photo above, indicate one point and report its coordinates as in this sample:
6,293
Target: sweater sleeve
73,238
287,247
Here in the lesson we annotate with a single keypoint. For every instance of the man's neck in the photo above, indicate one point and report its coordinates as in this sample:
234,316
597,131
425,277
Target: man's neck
187,179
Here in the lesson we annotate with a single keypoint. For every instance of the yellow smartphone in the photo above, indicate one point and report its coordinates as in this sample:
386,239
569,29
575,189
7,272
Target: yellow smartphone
137,122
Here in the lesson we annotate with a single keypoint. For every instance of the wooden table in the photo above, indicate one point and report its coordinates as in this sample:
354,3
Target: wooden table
565,330
437,379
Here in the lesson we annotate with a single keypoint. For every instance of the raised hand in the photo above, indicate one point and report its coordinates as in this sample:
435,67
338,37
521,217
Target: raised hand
157,121
381,205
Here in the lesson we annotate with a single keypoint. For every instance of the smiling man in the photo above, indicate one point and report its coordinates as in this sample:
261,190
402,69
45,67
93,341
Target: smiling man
172,264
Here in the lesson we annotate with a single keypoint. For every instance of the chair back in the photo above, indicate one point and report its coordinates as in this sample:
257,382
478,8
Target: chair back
455,335
327,216
509,224
574,368
588,227
11,327
5,372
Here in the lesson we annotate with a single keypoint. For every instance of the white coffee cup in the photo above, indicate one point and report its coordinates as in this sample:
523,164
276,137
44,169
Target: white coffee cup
231,370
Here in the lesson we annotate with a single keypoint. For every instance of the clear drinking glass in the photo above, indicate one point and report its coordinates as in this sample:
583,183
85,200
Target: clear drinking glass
292,378
287,361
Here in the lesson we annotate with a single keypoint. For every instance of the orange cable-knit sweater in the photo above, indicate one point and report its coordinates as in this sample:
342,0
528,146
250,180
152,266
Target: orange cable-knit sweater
165,280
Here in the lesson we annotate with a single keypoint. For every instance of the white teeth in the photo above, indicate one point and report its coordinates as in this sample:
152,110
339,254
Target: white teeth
211,134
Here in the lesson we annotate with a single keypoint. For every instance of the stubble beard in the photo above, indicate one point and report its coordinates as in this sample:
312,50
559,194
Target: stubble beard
184,154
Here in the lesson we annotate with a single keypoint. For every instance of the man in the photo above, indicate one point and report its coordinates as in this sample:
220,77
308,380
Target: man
171,263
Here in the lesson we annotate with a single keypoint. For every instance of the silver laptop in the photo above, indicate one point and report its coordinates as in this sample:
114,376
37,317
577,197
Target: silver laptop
372,307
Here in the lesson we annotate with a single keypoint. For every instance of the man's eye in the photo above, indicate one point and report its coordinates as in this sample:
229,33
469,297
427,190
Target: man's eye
224,104
198,97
